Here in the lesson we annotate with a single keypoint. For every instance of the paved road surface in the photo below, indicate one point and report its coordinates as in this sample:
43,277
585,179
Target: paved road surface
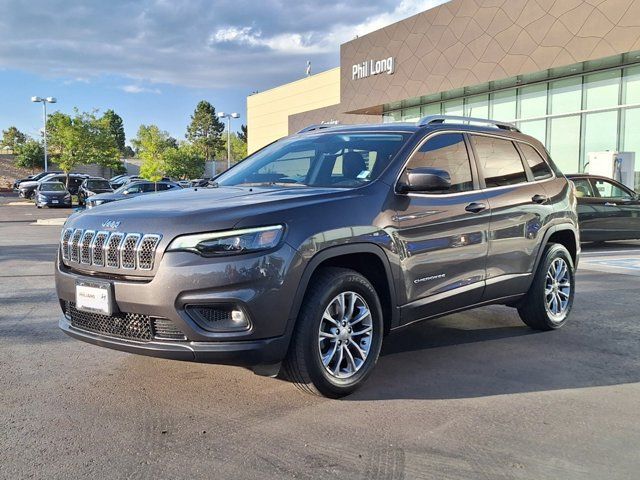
474,395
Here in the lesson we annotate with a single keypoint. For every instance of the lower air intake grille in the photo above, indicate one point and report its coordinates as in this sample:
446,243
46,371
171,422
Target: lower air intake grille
131,326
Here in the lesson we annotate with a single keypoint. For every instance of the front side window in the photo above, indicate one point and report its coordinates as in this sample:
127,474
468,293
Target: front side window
536,163
499,161
324,159
583,187
607,189
446,152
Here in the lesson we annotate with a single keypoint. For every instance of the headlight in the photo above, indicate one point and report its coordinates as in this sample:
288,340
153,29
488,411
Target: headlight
230,242
41,197
67,196
89,193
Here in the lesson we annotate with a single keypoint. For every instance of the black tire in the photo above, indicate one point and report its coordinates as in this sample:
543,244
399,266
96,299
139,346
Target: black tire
533,309
303,365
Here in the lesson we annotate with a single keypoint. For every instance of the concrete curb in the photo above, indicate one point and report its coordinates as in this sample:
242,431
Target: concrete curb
50,221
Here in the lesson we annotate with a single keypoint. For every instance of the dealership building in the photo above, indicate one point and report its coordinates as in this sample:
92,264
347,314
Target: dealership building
564,71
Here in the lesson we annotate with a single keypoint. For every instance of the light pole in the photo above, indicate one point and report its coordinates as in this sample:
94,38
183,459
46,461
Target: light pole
228,116
44,101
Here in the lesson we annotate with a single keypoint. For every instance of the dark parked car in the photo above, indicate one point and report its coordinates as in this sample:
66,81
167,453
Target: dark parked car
31,178
27,189
52,194
130,190
607,210
93,186
120,180
314,248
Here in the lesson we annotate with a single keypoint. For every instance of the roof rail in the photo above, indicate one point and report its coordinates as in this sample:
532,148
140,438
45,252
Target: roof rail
317,126
480,122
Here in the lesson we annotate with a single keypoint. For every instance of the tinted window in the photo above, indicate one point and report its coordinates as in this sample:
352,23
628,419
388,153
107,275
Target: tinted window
583,187
98,184
133,188
499,161
538,166
447,152
607,189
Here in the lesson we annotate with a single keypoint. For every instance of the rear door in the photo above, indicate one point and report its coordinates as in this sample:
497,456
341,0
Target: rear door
443,235
519,208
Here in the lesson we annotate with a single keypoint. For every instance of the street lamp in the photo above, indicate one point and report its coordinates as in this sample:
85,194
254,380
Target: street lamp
228,116
44,101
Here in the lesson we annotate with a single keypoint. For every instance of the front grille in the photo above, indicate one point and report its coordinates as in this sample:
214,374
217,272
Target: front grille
114,250
130,326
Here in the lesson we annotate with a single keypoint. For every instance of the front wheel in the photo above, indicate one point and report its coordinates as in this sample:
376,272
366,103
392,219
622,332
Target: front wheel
548,303
338,335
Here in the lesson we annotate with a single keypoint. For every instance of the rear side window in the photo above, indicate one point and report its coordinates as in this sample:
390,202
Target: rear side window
536,163
499,160
447,152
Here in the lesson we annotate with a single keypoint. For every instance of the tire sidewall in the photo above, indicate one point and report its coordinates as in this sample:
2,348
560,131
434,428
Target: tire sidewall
324,381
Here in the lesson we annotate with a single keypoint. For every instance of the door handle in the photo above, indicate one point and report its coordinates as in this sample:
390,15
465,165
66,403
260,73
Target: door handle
475,207
539,199
610,204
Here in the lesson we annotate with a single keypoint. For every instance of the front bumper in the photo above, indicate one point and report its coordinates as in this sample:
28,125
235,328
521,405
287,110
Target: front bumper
263,286
242,353
50,203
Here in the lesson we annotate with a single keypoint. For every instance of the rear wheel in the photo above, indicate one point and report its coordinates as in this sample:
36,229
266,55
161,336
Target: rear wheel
550,298
338,335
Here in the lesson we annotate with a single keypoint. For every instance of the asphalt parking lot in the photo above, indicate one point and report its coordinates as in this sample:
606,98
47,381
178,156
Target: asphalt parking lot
472,395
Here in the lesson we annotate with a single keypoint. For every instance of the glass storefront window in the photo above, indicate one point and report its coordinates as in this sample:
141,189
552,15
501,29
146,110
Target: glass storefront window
631,82
533,101
600,133
453,107
431,109
503,105
536,128
477,106
390,117
630,141
566,95
411,114
602,89
564,142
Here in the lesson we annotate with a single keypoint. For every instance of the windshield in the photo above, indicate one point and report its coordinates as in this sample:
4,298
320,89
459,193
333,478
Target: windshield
52,187
341,160
98,184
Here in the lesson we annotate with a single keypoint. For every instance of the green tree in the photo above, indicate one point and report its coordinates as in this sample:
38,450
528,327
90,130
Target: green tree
12,138
128,152
238,149
183,162
116,127
29,154
151,143
242,134
205,130
81,138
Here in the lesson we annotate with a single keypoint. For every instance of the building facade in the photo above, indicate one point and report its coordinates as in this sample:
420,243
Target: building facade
564,71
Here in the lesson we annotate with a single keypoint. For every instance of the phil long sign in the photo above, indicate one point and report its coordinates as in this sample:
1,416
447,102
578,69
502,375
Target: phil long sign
373,67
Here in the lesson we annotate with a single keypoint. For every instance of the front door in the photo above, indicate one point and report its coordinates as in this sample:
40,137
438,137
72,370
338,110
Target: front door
611,212
442,235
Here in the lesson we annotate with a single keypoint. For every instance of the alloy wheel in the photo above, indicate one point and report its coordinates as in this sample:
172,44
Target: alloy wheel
557,289
345,335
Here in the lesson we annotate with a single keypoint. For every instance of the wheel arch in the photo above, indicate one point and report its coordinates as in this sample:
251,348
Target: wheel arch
365,258
565,235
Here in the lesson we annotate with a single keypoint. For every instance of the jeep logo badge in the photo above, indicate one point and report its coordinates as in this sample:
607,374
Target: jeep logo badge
111,224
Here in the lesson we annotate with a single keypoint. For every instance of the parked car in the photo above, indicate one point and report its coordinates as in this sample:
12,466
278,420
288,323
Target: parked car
203,182
184,183
314,248
52,194
93,186
130,190
120,180
31,178
607,209
27,189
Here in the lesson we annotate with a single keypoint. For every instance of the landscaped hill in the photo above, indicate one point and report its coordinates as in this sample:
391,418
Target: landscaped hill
9,172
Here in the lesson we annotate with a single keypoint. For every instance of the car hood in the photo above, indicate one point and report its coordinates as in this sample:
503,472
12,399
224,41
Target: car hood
197,209
54,194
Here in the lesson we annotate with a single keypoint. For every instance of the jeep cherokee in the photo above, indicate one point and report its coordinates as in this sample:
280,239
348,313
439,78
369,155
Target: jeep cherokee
301,258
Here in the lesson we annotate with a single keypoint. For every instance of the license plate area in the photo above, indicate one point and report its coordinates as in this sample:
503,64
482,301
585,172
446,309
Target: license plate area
54,201
94,297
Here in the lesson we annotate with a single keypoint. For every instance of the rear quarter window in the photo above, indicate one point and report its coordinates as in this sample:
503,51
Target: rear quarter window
538,166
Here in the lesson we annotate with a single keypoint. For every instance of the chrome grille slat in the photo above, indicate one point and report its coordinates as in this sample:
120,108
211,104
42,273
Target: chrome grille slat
97,248
85,244
109,250
128,251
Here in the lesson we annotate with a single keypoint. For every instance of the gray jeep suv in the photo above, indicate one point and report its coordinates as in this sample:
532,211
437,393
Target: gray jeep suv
301,258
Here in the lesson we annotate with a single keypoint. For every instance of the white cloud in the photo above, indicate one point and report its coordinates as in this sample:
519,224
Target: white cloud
139,89
193,43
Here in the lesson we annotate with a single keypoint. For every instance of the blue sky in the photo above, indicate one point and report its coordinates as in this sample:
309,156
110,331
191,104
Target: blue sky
152,60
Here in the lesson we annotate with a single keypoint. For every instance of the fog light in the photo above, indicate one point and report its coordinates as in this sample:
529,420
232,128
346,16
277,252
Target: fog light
219,318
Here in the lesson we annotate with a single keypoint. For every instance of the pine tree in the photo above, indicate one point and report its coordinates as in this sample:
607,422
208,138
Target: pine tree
205,130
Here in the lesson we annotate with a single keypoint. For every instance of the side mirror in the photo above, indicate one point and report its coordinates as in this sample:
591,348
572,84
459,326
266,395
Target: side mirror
424,179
